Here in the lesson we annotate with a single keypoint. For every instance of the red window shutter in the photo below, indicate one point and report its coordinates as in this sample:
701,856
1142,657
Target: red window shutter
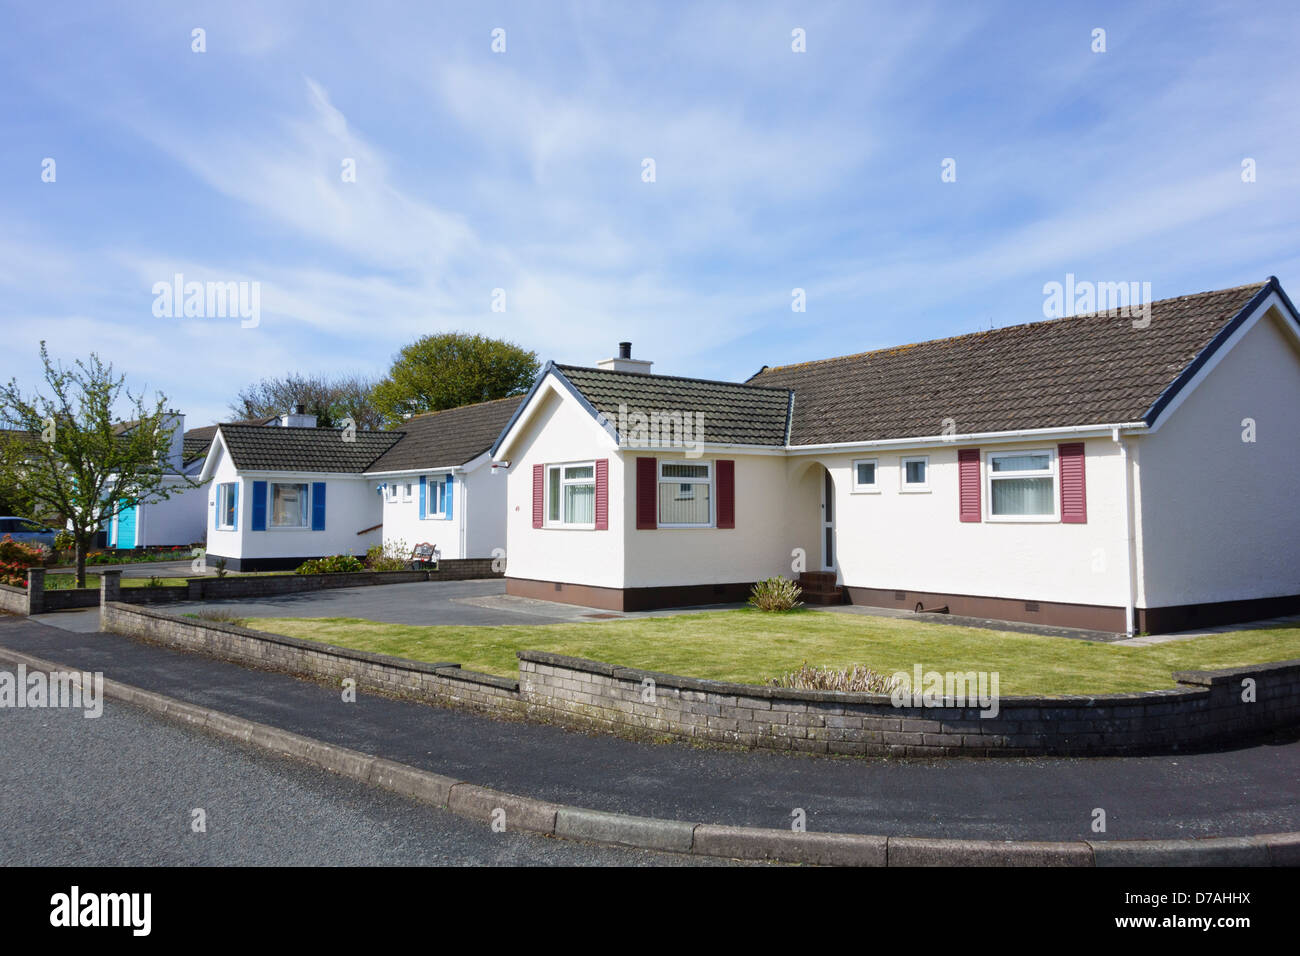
1074,485
726,493
647,494
602,494
539,493
968,484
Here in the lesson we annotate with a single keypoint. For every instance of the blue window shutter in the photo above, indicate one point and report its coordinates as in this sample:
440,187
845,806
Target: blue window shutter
259,506
318,506
234,520
216,511
447,496
423,507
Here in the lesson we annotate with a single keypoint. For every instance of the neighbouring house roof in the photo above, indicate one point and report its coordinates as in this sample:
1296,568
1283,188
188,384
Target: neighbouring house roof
1066,372
732,413
447,438
199,440
257,448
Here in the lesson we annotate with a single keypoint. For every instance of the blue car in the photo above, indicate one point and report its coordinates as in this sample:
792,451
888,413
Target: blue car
26,531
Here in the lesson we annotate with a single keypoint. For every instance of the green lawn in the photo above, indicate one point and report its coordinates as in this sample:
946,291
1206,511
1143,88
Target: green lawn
751,647
57,582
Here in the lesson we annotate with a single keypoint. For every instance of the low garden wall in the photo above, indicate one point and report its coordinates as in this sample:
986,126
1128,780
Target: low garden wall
36,598
13,600
440,683
1207,708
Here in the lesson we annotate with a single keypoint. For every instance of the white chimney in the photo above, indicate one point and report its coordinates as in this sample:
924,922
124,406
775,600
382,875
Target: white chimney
625,362
298,418
176,450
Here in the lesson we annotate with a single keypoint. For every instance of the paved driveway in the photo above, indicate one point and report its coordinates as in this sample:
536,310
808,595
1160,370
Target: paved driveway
421,602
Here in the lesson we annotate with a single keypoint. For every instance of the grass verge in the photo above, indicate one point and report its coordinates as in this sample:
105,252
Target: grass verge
751,647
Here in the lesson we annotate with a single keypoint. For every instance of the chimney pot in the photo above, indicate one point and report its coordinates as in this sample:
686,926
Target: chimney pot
625,350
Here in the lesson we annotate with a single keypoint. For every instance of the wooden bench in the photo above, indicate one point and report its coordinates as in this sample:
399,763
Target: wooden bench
424,555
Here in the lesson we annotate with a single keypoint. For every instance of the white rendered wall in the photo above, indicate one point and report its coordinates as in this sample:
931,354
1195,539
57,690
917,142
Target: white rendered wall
1219,516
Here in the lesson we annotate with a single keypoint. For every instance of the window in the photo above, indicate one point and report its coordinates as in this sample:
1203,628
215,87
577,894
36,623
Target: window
392,492
227,498
289,505
406,491
571,495
685,494
864,475
435,496
1022,484
915,473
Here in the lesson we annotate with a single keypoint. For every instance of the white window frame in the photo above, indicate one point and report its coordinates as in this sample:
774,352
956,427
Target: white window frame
391,491
709,480
223,490
1052,472
560,522
913,488
270,507
435,496
406,491
874,487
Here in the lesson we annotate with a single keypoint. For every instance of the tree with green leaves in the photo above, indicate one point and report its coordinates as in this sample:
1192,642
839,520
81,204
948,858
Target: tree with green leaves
70,456
451,369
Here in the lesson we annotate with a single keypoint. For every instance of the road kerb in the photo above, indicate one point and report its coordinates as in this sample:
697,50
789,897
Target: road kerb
742,843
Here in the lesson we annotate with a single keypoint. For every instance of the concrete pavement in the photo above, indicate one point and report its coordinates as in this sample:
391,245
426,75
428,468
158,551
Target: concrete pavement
1230,793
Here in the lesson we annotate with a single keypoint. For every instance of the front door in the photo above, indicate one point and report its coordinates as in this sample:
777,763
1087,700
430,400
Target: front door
126,527
828,522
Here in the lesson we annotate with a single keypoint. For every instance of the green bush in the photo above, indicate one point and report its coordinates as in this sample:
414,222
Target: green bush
334,564
390,556
64,541
776,594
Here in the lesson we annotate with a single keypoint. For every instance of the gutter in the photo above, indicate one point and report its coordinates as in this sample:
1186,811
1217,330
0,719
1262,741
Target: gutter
1126,517
1038,434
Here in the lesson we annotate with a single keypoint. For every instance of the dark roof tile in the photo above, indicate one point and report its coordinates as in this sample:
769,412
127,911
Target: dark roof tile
733,413
1080,370
448,438
258,448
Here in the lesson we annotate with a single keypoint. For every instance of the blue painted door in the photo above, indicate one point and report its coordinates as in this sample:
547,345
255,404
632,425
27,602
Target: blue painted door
126,527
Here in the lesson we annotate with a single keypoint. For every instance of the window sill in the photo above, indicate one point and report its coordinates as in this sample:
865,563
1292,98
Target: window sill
1023,519
915,491
865,491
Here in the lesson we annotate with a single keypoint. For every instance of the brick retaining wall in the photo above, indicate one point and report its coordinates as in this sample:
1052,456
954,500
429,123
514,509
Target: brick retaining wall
1206,709
37,599
431,683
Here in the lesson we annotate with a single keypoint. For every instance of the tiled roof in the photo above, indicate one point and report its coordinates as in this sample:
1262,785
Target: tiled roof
195,448
198,440
1079,370
733,413
257,448
448,438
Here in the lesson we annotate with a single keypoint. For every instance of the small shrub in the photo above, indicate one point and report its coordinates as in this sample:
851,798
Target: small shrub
64,541
392,555
857,678
220,565
219,616
335,564
155,581
776,594
16,558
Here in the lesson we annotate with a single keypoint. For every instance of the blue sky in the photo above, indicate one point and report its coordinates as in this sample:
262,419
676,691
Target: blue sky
522,171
